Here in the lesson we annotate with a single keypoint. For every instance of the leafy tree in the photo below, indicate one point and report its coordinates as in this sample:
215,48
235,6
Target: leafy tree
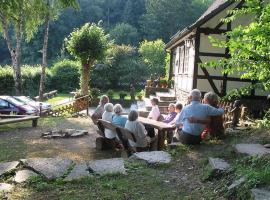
154,55
121,67
88,44
248,45
164,18
23,19
125,34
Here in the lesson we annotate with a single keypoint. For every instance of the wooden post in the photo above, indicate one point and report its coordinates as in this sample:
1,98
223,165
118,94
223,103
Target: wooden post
34,122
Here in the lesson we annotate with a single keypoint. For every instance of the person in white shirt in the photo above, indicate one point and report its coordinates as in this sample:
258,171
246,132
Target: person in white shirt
108,115
138,129
154,113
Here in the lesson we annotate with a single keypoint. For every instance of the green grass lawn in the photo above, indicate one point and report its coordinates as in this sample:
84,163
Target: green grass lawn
60,97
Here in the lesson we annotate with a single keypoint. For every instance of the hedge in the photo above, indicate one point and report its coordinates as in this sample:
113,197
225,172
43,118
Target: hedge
30,80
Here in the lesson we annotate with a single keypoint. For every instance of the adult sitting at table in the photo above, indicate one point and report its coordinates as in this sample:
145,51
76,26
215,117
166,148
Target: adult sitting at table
191,132
108,115
100,109
172,114
138,129
215,125
118,119
155,115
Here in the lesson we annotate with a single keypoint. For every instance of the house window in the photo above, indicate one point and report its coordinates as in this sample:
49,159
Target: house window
186,60
181,60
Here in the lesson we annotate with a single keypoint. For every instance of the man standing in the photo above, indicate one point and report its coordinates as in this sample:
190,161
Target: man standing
191,117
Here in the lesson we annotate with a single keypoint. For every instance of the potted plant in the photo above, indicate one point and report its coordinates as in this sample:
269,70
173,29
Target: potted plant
149,83
122,94
110,94
163,83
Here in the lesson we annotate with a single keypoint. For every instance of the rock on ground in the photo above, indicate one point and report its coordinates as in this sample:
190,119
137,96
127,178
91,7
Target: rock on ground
23,175
174,145
218,164
7,167
252,149
4,187
237,183
79,171
260,194
107,166
51,168
153,157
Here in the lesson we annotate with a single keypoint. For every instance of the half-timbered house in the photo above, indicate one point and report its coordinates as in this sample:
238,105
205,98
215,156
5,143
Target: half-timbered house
191,46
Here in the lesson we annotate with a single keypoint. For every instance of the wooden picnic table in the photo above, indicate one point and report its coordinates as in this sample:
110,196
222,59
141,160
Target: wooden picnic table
160,126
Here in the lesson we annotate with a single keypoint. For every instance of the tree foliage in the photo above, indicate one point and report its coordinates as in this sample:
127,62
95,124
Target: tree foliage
153,54
248,45
125,34
88,44
163,18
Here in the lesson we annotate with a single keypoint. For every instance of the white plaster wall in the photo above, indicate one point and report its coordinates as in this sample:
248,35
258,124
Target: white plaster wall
213,22
206,45
204,85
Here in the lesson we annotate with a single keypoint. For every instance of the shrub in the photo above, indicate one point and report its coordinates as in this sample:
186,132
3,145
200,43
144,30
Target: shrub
94,92
66,75
30,80
154,56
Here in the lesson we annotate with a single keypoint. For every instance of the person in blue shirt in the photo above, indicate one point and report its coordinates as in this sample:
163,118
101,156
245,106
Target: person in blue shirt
191,116
118,119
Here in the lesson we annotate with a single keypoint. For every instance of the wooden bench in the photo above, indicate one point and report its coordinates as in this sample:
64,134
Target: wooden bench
9,119
228,115
123,135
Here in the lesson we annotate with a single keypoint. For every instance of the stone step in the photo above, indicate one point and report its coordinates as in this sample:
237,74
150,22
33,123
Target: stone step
165,96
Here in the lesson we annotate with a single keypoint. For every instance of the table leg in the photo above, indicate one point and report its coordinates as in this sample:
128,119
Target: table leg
161,140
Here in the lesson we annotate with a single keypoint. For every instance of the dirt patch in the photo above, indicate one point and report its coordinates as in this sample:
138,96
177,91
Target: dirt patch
23,141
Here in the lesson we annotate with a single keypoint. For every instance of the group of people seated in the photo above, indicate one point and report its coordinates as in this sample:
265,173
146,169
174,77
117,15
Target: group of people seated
192,121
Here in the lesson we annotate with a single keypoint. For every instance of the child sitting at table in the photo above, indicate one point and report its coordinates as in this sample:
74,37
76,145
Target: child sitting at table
178,109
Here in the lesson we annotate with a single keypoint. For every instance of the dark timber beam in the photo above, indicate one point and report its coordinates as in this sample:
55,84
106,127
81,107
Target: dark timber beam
210,80
222,55
197,59
224,78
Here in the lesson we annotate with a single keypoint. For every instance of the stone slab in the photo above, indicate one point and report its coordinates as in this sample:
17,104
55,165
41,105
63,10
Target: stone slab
252,149
107,166
23,175
50,168
79,133
79,171
218,164
7,167
237,183
174,145
260,194
5,187
153,157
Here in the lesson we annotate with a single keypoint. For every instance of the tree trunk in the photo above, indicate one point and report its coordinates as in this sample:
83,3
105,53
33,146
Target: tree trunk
14,53
85,78
44,58
16,63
